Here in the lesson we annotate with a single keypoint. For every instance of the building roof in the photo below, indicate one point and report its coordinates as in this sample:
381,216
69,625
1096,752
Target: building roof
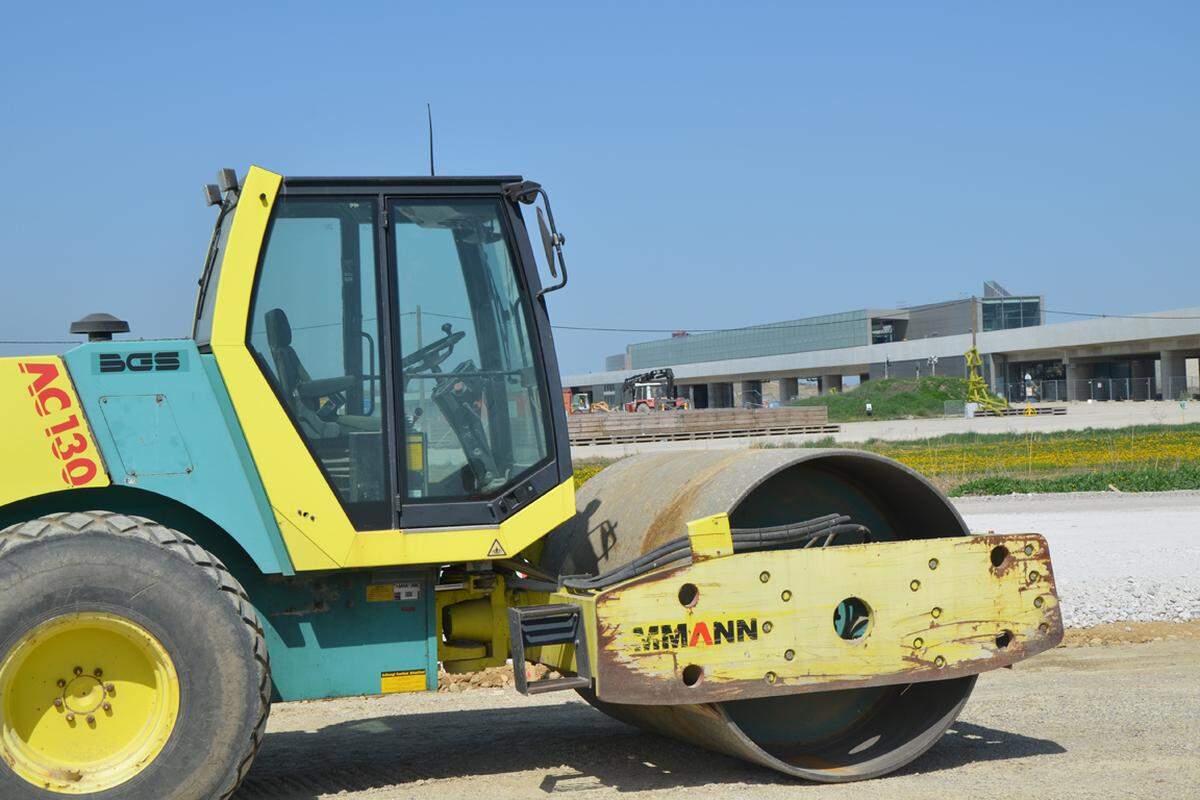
1101,336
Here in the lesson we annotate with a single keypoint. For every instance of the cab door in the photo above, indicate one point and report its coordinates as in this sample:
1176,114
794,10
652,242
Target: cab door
477,439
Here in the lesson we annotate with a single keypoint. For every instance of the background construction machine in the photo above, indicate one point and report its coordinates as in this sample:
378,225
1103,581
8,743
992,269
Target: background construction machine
651,391
357,468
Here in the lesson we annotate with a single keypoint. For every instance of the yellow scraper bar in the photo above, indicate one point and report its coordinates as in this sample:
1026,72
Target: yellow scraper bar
816,619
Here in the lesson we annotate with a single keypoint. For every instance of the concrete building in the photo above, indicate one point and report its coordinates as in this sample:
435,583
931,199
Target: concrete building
1136,357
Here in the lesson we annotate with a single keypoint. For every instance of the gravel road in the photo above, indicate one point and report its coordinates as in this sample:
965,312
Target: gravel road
1116,556
1092,722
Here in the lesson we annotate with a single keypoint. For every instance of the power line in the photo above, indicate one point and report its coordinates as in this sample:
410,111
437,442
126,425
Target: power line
38,341
762,327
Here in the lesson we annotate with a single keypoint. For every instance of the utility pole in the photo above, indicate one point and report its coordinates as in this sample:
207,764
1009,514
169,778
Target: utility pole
420,339
974,322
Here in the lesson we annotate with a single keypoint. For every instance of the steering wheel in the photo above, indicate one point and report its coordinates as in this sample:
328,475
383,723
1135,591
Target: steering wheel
459,396
427,358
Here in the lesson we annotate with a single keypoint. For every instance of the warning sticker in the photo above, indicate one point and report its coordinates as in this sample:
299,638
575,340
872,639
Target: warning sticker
409,680
392,592
496,550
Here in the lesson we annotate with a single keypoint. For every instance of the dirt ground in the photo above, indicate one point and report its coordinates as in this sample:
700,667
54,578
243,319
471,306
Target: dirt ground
1115,715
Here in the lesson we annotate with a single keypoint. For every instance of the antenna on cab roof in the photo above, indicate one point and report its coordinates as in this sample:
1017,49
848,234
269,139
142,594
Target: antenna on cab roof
429,114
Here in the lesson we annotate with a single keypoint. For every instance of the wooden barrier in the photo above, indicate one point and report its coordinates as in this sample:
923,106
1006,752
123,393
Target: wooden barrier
715,423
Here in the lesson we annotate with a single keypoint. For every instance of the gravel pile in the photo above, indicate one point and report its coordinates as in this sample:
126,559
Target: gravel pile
1117,557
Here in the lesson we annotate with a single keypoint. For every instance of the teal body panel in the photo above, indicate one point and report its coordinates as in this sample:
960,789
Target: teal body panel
166,425
326,639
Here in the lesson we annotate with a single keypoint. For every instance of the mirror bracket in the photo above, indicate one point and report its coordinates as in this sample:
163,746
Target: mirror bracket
527,192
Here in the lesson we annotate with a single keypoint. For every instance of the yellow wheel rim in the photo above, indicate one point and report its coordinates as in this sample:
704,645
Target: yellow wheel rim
87,701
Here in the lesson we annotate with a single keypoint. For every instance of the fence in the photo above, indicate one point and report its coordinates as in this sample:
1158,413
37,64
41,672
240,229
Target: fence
1099,389
664,426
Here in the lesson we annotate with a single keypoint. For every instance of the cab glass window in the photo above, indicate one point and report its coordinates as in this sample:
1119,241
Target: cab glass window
315,331
473,397
207,301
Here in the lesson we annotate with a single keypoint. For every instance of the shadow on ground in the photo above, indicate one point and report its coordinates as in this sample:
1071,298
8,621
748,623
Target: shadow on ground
575,747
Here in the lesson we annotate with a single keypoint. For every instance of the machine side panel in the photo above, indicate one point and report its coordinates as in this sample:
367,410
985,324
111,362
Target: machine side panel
354,633
46,442
165,426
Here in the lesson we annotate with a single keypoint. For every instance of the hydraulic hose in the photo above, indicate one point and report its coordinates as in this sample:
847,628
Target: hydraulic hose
824,529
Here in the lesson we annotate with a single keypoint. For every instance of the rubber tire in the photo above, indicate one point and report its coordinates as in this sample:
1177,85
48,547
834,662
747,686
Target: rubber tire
161,579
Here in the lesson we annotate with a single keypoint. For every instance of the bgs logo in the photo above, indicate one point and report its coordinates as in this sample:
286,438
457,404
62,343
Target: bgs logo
167,361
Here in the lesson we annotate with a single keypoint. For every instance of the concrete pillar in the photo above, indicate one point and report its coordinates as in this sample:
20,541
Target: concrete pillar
714,395
750,392
993,367
1077,377
720,395
1141,379
789,389
1172,373
830,383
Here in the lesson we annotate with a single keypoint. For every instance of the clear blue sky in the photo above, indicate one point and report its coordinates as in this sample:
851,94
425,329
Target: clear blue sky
712,164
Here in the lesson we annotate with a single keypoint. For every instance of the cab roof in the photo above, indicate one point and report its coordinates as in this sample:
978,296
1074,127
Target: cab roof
375,181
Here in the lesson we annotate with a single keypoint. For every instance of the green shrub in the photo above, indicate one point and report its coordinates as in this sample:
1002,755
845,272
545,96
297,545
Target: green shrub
894,398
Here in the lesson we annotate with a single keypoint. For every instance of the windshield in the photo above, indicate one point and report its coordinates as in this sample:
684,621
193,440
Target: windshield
206,300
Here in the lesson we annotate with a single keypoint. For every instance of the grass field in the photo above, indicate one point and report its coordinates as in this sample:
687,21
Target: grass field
1133,459
894,398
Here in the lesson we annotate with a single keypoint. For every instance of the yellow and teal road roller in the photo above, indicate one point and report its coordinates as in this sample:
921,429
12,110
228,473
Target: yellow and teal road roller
357,468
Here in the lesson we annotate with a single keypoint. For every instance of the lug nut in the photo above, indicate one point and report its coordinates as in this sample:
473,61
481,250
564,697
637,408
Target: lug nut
78,671
98,672
108,687
91,720
70,717
58,703
107,707
61,683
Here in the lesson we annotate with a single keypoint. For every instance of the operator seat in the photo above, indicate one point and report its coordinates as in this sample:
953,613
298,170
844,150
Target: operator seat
303,393
288,368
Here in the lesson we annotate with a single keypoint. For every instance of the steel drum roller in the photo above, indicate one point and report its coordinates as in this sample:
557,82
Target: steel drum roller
644,501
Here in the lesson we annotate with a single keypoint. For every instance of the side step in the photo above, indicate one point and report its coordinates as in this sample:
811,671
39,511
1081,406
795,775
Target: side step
537,626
